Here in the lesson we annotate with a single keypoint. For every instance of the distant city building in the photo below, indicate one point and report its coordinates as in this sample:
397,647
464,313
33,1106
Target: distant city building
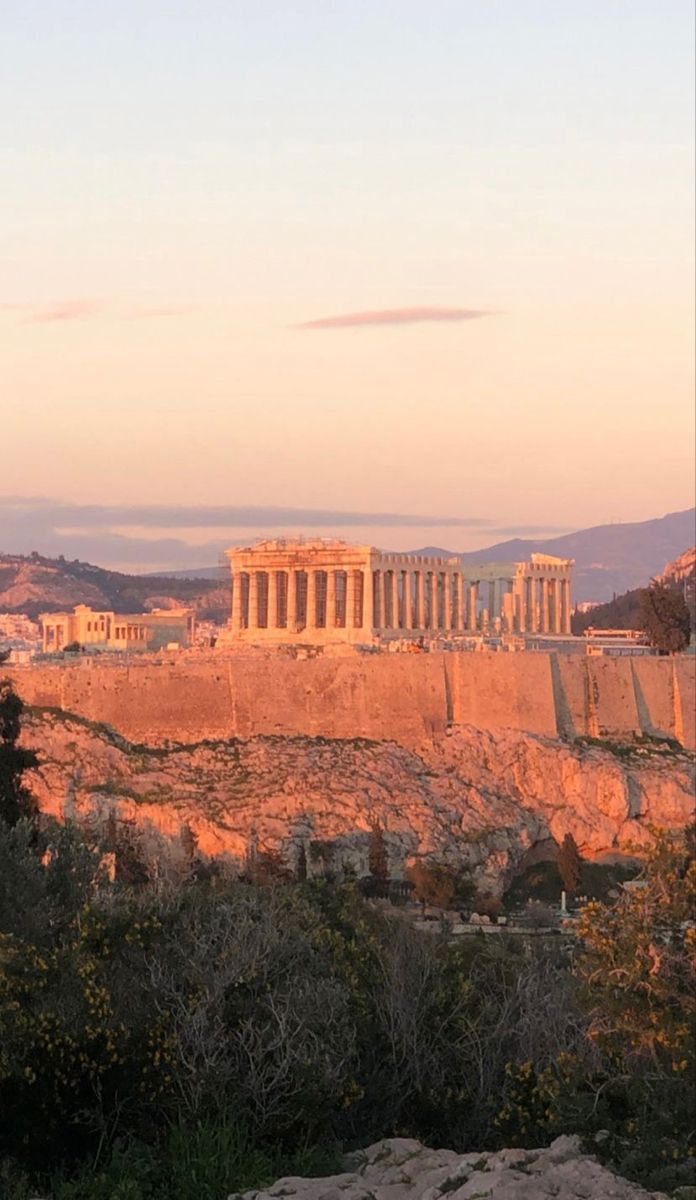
18,632
323,590
92,629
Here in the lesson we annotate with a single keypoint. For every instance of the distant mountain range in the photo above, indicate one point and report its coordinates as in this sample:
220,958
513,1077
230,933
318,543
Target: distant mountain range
609,559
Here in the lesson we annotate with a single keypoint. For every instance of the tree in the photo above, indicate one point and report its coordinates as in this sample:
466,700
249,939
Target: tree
16,801
638,965
432,884
301,865
664,616
377,857
189,844
569,864
270,867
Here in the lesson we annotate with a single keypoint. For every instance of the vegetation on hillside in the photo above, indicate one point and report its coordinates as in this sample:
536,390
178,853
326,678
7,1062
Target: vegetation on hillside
628,610
191,1039
664,616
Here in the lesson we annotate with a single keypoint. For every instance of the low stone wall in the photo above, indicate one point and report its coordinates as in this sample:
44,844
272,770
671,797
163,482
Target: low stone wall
405,698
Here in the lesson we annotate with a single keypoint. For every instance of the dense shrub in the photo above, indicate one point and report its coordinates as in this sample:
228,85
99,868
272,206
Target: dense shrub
161,1038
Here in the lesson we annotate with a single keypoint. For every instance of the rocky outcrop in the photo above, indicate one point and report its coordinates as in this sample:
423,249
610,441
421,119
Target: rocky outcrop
681,568
476,799
401,1169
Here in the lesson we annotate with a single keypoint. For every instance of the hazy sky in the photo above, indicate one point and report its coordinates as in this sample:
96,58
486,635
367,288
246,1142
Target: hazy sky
496,194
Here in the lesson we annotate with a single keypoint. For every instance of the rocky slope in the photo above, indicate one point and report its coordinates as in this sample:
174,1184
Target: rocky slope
681,568
401,1169
32,584
485,801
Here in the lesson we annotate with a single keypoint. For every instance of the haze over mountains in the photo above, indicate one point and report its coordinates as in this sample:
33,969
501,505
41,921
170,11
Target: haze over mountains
609,559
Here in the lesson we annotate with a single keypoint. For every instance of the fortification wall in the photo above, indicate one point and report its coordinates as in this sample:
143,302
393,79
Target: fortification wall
404,698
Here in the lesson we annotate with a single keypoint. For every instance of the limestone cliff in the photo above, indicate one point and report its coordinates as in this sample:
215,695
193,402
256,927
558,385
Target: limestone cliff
481,799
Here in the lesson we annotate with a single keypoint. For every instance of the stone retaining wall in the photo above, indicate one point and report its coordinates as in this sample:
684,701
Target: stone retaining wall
404,698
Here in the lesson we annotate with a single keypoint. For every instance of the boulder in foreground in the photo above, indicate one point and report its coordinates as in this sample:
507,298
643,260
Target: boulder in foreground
401,1169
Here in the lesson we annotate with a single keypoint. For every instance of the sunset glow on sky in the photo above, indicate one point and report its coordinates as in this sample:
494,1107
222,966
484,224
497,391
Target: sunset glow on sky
382,257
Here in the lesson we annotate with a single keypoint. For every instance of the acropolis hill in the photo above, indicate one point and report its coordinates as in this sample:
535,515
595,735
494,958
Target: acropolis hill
456,753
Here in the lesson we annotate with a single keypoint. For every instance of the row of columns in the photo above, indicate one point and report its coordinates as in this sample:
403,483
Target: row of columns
540,604
396,598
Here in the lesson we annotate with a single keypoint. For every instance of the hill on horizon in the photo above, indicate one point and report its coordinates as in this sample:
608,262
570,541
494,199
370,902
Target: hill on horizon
609,559
32,584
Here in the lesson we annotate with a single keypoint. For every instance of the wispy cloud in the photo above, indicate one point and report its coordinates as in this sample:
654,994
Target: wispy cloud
395,316
155,516
121,534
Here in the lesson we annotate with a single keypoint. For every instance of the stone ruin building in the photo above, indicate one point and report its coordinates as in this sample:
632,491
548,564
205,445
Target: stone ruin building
99,630
324,591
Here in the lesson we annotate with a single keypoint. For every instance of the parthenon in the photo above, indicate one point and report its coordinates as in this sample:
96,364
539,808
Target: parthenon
323,590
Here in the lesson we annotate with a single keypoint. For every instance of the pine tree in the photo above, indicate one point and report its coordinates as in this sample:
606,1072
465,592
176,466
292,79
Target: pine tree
16,801
569,864
301,868
664,616
377,857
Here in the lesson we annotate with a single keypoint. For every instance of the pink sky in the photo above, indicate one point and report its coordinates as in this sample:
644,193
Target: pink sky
340,261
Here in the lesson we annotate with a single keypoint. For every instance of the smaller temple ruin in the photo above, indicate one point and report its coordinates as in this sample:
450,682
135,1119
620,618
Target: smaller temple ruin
323,590
90,629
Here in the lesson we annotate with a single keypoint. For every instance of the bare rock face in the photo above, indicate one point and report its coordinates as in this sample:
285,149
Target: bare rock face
479,800
401,1169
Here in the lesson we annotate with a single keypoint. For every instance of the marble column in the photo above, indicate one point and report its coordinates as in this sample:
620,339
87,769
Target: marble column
472,613
458,623
532,607
420,600
311,620
544,606
384,596
556,607
368,613
331,621
350,599
447,584
292,601
434,615
519,605
408,600
492,601
565,606
253,622
508,612
236,617
396,624
272,601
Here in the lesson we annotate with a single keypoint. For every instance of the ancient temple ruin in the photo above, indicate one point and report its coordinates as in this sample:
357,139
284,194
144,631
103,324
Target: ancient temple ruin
323,590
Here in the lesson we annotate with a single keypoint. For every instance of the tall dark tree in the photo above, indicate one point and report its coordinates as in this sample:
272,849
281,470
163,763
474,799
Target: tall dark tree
664,616
569,864
301,865
16,801
377,857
